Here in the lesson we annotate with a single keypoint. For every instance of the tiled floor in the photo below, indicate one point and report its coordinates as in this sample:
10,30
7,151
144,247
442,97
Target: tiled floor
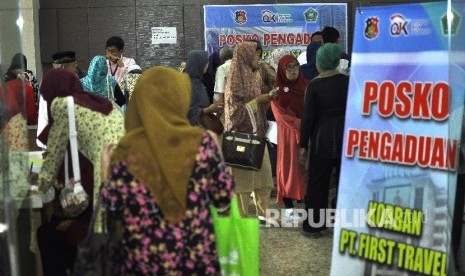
284,251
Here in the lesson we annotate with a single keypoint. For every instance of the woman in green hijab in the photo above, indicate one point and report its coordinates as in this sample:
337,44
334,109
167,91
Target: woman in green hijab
98,83
321,132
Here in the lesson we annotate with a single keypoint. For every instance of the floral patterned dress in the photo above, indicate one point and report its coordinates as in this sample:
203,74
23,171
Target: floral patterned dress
152,245
95,130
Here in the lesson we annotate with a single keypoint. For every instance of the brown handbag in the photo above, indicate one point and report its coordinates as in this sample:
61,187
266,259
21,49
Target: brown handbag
211,122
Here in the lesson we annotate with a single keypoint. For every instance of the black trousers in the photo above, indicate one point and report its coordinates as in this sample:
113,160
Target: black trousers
319,177
288,202
272,152
57,255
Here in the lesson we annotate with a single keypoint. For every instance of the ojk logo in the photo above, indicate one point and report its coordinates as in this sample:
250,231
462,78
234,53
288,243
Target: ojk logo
269,17
399,25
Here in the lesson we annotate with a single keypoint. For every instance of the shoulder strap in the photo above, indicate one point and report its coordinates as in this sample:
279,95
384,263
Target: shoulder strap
252,118
74,145
110,93
66,169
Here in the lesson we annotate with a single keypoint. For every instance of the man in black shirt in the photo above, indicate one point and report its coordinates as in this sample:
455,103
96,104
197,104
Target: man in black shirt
331,35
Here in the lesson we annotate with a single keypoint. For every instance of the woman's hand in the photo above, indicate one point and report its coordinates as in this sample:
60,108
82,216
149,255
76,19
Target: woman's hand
106,158
274,92
57,184
64,225
264,98
214,108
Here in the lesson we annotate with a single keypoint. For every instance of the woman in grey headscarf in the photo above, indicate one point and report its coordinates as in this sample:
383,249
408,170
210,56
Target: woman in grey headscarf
196,66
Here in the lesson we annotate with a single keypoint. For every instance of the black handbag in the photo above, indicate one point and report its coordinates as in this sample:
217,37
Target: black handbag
244,150
97,253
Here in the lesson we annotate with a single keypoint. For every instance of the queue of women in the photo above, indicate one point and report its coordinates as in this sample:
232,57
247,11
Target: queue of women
161,171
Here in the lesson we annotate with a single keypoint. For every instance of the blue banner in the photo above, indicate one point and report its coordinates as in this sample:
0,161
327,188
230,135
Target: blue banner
276,26
401,141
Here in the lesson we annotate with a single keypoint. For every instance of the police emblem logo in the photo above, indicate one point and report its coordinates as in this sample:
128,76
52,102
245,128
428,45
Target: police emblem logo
240,17
371,27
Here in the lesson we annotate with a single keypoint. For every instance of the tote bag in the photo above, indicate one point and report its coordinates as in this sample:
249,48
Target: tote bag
237,242
97,254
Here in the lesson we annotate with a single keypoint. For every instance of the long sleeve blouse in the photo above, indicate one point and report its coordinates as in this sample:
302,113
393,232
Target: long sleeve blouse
324,114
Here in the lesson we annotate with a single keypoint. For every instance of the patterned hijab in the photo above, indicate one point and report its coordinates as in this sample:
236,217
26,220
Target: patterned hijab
96,80
62,83
160,146
291,93
242,86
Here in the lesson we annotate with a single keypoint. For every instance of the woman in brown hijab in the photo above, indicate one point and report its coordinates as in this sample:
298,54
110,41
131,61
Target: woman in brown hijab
243,88
164,175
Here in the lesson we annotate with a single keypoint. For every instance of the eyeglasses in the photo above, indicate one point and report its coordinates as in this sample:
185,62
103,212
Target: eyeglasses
112,50
292,67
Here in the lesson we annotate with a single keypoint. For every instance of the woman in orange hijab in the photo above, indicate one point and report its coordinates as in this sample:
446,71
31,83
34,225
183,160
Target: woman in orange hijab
164,175
287,109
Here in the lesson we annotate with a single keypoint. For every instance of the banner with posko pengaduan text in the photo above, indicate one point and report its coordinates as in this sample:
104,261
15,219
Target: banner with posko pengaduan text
401,142
287,26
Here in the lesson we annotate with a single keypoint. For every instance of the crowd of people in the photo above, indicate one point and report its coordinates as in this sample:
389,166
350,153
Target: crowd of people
144,151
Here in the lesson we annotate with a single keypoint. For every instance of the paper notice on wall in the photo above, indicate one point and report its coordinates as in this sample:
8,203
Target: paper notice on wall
164,35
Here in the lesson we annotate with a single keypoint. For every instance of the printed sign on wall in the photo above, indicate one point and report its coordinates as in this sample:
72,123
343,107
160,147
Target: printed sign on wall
164,35
276,26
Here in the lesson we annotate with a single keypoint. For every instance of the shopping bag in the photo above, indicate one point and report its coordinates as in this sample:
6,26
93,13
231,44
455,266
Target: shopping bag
237,242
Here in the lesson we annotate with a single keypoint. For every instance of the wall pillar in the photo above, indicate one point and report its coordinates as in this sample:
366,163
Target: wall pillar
30,36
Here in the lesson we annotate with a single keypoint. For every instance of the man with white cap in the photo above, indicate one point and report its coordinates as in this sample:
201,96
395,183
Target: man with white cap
67,61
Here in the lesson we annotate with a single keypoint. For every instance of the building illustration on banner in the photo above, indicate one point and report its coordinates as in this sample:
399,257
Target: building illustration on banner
410,190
